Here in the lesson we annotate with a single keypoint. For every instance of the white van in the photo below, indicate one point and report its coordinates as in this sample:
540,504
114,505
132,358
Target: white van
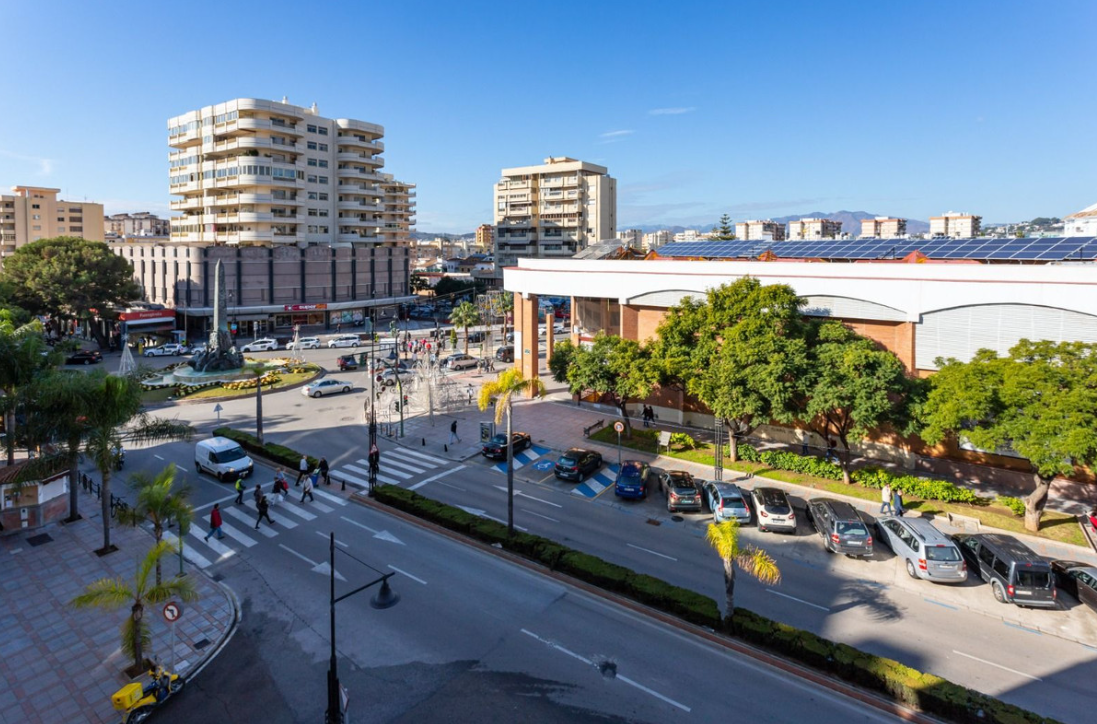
222,458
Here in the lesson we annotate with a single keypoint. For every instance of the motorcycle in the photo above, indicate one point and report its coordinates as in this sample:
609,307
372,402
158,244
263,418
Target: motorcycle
119,458
137,701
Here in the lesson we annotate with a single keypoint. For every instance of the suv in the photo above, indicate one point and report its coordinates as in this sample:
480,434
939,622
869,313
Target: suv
505,354
774,510
840,527
1013,570
681,491
928,552
726,501
344,340
632,480
576,464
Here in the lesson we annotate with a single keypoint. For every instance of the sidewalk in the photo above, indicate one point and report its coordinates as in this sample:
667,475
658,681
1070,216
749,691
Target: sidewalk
58,663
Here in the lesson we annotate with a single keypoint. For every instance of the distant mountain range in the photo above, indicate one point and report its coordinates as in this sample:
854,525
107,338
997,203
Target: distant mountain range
851,222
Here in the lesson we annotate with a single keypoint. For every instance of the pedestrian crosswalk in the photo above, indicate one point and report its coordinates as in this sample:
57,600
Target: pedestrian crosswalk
521,459
398,467
593,486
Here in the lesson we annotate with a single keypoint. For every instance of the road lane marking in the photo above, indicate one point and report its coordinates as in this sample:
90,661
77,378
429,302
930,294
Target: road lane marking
340,475
306,560
1023,628
157,456
656,694
539,515
524,495
244,518
238,536
292,508
559,648
400,473
189,553
362,471
360,525
798,600
214,502
405,573
938,603
180,468
327,537
421,483
455,487
221,549
997,666
329,497
654,553
424,456
406,466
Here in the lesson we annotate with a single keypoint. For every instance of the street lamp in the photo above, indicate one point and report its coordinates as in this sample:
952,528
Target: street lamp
385,598
372,367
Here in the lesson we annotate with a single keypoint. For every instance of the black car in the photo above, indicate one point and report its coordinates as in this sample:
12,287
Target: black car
496,447
1077,579
347,362
1015,572
681,491
840,527
477,337
505,354
84,357
576,464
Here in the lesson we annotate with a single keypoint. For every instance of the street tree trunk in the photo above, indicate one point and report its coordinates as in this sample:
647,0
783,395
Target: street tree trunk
510,474
104,501
258,420
1035,502
622,407
729,589
138,613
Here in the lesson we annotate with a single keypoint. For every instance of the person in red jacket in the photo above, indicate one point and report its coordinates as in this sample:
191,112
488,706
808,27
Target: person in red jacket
215,522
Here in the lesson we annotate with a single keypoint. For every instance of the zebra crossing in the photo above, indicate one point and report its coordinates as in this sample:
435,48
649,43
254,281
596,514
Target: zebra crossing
398,467
238,525
523,458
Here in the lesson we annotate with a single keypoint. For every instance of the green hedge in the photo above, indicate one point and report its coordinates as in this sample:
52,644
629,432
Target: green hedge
280,454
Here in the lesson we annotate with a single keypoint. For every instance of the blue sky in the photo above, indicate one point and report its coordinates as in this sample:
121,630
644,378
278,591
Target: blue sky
754,108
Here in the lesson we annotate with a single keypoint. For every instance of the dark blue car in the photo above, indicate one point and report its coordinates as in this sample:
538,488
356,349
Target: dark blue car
632,480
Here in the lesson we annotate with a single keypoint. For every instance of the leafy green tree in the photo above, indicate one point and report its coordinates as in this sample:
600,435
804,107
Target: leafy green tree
24,356
465,315
447,286
114,593
618,368
1040,401
419,283
755,562
724,229
501,393
159,502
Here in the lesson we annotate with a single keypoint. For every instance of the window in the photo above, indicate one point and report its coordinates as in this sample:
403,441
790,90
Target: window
323,229
323,195
323,146
986,556
60,218
323,212
37,217
322,131
312,196
323,179
312,145
1001,568
35,206
37,228
312,162
313,212
60,230
323,163
312,178
311,128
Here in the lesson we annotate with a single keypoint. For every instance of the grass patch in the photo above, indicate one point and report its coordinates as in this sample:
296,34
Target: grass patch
288,379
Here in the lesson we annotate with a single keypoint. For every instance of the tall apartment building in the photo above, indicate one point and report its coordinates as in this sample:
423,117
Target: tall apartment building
141,223
398,212
814,229
883,227
553,210
35,212
760,230
955,225
656,239
633,237
485,237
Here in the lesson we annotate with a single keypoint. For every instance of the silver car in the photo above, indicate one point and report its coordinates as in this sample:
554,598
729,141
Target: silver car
325,387
927,552
726,501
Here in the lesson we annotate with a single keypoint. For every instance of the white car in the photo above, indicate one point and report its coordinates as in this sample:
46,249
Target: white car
260,345
325,387
164,350
344,340
306,343
561,329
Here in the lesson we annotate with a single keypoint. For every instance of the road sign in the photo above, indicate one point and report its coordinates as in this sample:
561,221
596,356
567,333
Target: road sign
619,426
172,611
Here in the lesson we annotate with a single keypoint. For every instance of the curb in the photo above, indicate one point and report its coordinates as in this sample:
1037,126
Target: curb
224,642
191,401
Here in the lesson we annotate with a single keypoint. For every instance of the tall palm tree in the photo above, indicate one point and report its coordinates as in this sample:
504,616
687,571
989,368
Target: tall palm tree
755,562
113,593
22,359
160,503
114,413
465,315
502,391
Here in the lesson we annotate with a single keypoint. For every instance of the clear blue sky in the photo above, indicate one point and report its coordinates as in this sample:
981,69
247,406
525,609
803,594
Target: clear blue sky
752,108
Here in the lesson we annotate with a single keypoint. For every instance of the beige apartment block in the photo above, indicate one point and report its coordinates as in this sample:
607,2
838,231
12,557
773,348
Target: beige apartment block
656,239
633,237
553,210
883,227
35,212
808,229
955,225
398,212
485,238
760,230
141,223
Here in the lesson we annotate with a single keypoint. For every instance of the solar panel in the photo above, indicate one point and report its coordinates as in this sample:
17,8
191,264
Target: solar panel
1041,249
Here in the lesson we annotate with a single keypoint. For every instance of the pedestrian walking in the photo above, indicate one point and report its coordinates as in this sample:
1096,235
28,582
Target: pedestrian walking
830,450
239,491
453,433
324,470
280,480
897,502
306,490
885,499
264,512
470,393
374,459
302,470
257,493
215,522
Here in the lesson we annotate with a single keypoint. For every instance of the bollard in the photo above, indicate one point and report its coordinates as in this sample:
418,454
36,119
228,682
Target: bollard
445,447
424,442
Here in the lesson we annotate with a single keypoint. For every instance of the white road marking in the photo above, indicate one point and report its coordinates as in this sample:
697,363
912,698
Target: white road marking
360,525
292,508
214,502
540,516
455,487
382,478
306,560
798,600
656,694
180,468
220,548
482,514
520,493
406,466
654,553
329,497
189,553
315,504
249,520
999,666
405,573
383,534
421,483
350,478
326,537
559,648
424,456
157,456
238,536
402,474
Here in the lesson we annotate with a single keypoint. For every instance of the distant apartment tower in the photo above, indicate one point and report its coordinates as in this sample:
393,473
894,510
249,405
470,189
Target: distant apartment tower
141,223
814,229
760,230
633,237
485,237
35,212
955,225
553,210
656,239
883,227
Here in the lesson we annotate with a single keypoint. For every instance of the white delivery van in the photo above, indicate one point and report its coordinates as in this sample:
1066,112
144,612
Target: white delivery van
222,458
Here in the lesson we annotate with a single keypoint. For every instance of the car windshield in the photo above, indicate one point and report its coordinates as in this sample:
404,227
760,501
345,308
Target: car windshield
565,460
942,553
631,471
851,529
733,502
499,440
1033,578
227,456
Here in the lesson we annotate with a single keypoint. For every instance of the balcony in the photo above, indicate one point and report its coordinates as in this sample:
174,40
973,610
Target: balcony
255,124
357,238
356,157
358,221
360,142
357,205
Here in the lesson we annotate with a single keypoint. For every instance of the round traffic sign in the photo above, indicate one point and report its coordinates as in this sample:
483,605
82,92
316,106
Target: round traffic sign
172,611
619,426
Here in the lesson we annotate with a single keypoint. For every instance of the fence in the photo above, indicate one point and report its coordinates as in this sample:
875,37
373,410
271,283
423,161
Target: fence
90,486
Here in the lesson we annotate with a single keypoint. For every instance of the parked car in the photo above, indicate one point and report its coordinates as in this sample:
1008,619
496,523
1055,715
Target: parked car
306,343
726,501
509,338
198,348
1015,573
773,509
1077,579
260,345
477,337
344,340
325,387
680,490
459,361
347,362
505,354
926,552
576,464
632,480
170,349
840,527
496,447
84,357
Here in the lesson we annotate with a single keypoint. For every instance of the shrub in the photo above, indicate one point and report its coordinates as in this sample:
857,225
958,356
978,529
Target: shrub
279,454
1015,504
683,441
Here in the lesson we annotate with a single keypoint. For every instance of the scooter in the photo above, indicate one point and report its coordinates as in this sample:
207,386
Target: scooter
137,701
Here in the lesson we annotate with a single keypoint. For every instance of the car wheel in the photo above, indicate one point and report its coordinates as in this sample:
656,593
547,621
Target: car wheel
316,394
355,345
911,570
999,594
87,362
346,390
197,469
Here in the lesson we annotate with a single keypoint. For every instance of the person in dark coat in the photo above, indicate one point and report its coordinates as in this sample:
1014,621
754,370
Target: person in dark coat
324,471
264,512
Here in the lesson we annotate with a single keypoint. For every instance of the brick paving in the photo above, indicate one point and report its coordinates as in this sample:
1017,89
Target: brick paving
60,664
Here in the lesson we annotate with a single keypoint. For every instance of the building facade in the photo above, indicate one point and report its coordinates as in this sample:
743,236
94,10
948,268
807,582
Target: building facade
485,237
1081,223
656,239
553,210
140,223
34,212
805,229
954,225
633,237
883,227
760,230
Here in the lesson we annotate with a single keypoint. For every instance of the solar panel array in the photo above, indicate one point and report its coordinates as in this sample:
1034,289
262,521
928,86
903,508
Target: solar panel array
1035,249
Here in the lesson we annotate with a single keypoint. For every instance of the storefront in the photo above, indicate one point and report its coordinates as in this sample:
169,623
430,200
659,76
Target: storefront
153,324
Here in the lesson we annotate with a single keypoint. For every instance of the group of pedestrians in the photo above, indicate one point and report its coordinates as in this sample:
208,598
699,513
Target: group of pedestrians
648,416
891,501
306,479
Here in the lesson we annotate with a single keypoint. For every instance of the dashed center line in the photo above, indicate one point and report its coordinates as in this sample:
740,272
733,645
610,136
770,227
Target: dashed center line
654,553
997,666
798,600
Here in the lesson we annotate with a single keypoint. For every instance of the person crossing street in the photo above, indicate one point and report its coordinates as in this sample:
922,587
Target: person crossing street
239,491
306,489
264,512
215,523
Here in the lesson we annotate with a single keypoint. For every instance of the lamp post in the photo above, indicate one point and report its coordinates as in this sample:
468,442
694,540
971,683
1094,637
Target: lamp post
372,366
385,598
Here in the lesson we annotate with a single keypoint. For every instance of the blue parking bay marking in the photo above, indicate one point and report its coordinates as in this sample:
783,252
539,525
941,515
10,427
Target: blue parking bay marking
521,459
593,486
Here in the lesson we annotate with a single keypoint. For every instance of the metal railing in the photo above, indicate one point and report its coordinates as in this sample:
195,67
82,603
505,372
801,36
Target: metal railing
90,486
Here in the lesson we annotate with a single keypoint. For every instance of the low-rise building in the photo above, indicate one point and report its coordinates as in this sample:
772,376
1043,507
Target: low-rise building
759,230
632,237
656,239
140,223
955,225
1081,223
883,227
34,212
813,229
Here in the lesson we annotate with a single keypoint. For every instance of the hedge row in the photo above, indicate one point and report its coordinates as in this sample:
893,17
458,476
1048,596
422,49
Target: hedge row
870,477
278,453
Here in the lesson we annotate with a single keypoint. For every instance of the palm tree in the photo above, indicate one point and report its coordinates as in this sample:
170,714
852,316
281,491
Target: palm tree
501,392
114,412
21,361
465,315
160,503
724,539
113,593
